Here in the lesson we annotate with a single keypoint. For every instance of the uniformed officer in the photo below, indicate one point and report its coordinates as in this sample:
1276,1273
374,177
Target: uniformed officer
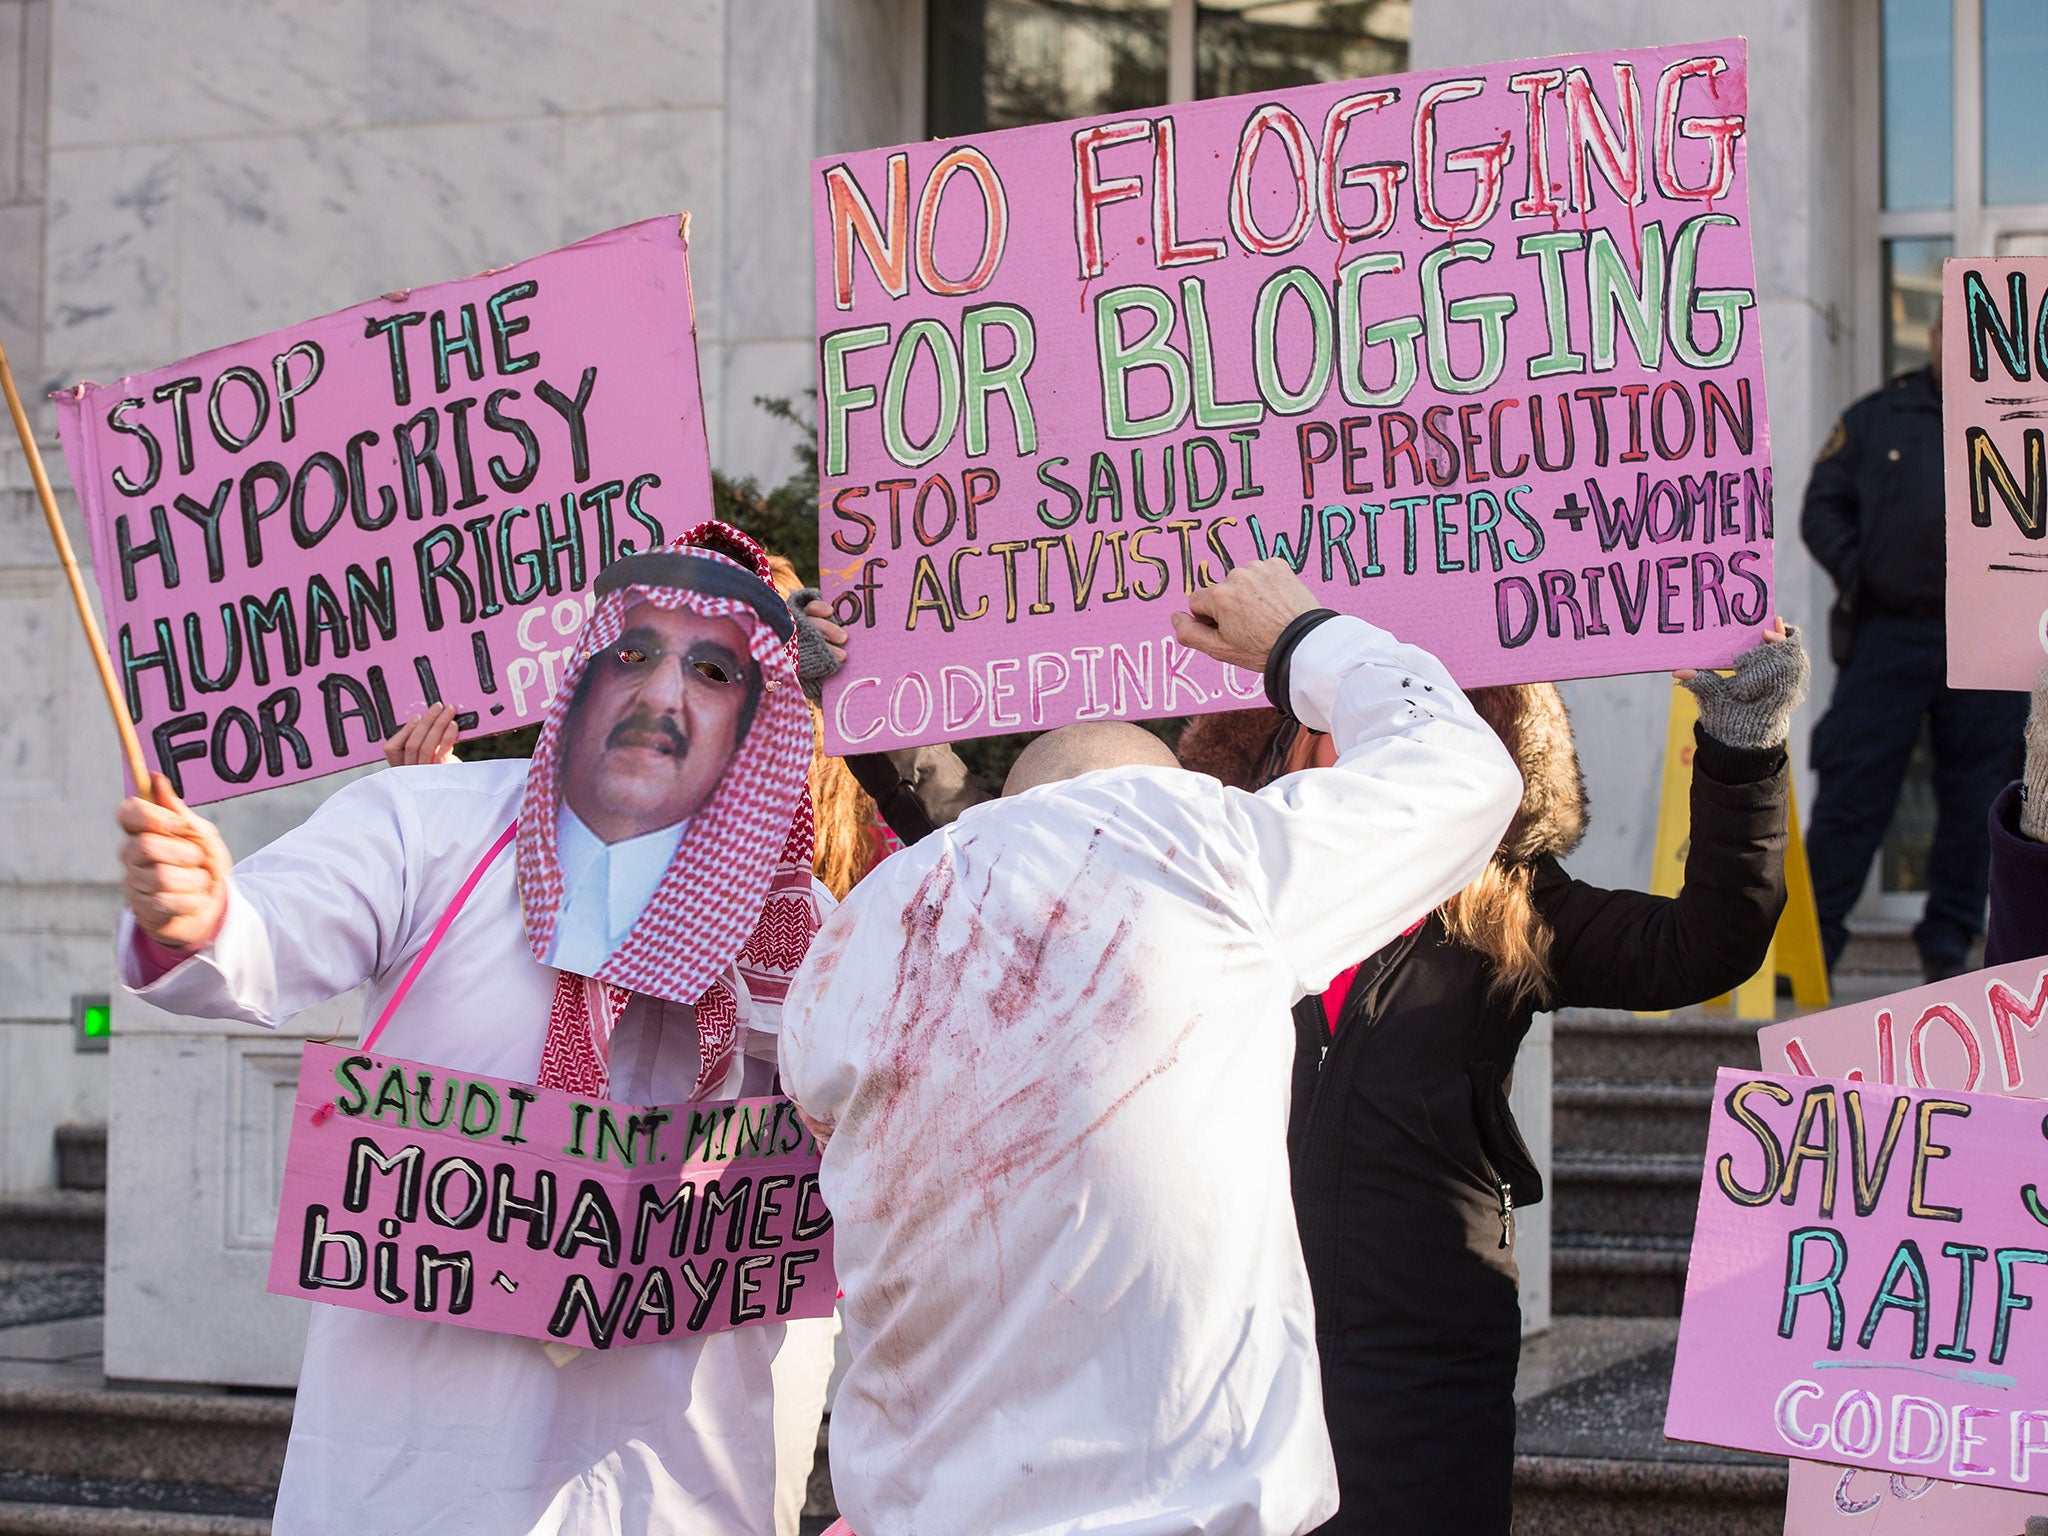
1873,519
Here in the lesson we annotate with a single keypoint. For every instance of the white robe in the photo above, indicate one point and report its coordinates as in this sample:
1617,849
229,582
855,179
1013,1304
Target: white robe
405,1426
1053,1045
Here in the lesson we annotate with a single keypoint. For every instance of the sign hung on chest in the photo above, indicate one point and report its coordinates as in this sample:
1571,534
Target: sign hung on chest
423,1193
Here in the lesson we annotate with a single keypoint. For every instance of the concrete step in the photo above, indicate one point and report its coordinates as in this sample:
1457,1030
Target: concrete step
82,1156
32,1504
1879,947
80,1520
1618,1277
205,1439
54,1224
1630,1117
1591,1460
1606,1496
1632,1194
1607,1045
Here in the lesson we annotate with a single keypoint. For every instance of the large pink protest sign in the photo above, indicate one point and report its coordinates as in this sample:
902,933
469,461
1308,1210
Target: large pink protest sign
1475,350
1994,405
1979,1031
304,539
423,1193
1863,1279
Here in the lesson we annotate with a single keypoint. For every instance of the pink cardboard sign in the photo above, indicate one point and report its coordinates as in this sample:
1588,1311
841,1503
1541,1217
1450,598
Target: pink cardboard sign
1848,1501
1993,405
1863,1280
1475,350
1982,1031
1978,1031
422,1193
303,540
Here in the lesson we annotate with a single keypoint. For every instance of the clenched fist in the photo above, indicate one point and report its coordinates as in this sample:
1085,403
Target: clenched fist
1237,620
174,869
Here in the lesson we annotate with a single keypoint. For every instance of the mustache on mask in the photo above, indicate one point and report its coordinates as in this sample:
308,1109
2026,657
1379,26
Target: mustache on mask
637,729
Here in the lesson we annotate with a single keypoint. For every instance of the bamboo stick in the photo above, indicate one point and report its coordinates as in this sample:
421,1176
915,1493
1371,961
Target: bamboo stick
131,745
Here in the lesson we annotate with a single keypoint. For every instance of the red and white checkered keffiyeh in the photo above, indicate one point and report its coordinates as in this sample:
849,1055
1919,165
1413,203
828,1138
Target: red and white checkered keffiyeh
736,910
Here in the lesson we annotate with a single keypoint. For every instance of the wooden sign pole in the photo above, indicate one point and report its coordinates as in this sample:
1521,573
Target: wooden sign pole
131,745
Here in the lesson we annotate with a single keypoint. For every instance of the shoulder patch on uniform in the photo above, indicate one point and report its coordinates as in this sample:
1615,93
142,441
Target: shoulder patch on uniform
1837,439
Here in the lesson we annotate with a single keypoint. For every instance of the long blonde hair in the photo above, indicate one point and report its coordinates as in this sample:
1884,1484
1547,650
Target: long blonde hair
1496,914
844,813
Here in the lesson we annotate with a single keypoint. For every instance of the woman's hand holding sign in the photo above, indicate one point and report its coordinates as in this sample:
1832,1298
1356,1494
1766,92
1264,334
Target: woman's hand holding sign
174,869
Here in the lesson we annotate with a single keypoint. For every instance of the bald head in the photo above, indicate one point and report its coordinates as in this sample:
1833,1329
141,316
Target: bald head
1073,750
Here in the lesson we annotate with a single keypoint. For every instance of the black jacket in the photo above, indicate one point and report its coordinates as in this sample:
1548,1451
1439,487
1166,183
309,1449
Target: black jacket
1407,1164
1873,513
2018,925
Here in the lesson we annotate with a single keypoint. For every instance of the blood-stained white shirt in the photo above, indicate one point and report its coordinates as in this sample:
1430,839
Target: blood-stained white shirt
404,1426
1052,1043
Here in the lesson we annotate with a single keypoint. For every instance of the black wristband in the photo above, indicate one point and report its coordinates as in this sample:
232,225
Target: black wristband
1282,653
894,797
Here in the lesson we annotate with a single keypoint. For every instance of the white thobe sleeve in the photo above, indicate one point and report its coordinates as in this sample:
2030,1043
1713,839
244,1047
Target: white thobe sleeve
1345,859
315,913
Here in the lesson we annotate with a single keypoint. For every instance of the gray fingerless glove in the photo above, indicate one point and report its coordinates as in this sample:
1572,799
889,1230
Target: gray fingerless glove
1753,708
2034,783
814,659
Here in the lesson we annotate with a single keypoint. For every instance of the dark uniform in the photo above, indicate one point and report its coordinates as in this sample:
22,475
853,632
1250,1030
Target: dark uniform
1873,519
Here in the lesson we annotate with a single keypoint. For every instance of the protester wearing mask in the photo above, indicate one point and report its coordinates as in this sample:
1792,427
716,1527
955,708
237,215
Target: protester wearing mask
844,820
406,1425
1407,1166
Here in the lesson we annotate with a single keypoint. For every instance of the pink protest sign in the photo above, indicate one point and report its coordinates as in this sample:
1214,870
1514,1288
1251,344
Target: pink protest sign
1847,1501
1982,1031
1475,350
1978,1031
304,539
423,1193
1995,475
1862,1281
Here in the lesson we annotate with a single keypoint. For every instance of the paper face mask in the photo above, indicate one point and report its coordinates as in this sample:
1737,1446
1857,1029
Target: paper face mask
661,807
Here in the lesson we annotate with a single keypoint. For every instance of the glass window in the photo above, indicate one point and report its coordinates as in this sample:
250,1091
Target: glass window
2015,101
1004,63
1912,299
1919,86
1243,46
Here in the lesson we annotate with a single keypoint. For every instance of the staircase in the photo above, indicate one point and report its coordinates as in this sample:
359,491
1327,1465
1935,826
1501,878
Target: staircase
1631,1107
80,1458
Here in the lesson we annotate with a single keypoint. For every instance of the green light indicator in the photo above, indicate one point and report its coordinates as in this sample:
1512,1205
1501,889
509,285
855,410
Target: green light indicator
97,1021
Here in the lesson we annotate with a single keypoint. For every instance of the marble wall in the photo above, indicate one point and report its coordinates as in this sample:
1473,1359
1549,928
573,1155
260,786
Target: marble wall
176,177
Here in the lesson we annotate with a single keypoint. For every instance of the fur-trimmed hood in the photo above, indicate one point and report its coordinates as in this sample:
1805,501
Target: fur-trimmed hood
1530,719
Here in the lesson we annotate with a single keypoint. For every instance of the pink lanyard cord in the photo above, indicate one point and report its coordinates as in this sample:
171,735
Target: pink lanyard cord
369,1041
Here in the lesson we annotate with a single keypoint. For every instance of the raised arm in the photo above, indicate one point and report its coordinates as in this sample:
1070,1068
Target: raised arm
309,917
1628,949
1345,858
